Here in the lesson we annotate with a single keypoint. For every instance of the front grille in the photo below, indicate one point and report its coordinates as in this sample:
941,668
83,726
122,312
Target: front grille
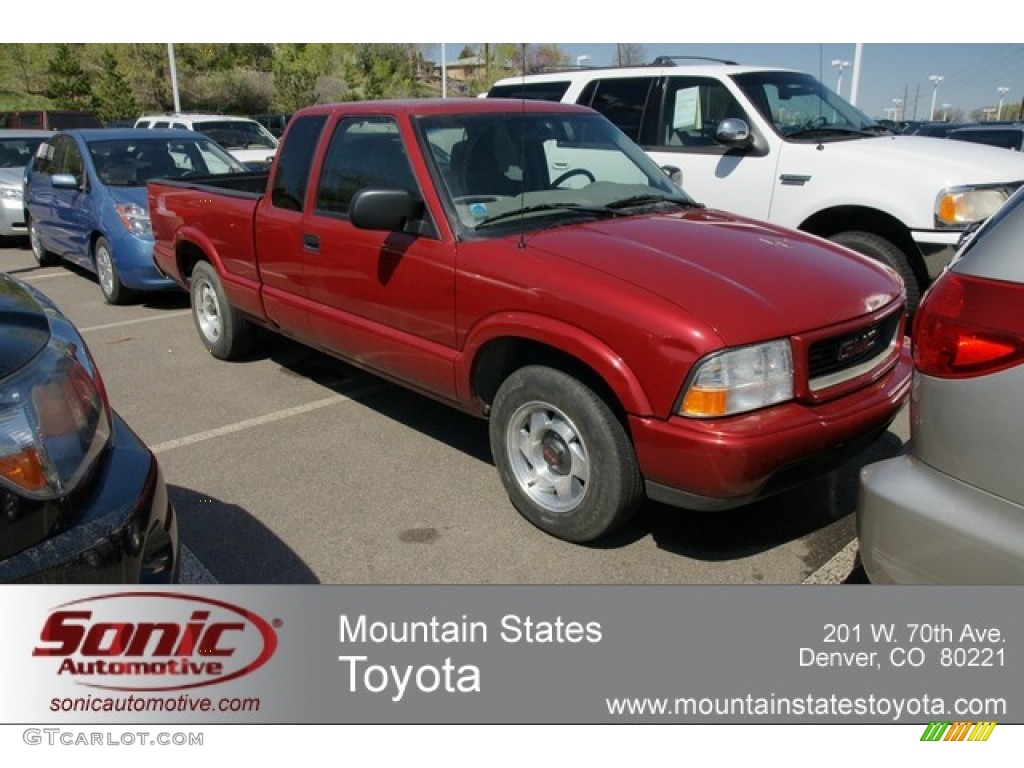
841,358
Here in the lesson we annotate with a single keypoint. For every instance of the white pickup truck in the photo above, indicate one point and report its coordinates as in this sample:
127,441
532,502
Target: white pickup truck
778,145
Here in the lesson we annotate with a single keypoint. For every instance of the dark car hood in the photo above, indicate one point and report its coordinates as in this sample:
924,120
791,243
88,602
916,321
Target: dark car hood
746,279
24,326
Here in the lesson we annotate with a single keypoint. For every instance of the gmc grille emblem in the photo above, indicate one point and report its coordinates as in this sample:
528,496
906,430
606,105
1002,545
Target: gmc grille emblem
857,345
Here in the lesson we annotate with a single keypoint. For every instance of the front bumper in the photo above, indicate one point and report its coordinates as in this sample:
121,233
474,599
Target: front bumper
917,525
124,531
721,464
133,258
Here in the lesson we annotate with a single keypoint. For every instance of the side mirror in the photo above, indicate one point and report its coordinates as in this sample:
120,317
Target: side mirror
64,181
674,174
382,209
734,132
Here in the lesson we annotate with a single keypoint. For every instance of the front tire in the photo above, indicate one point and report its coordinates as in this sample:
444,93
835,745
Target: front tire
225,332
563,456
880,249
43,257
111,287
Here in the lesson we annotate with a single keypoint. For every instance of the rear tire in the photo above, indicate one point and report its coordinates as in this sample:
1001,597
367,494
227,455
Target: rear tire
880,249
225,332
563,456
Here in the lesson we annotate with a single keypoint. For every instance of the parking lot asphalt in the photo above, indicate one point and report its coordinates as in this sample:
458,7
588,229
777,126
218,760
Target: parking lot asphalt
293,468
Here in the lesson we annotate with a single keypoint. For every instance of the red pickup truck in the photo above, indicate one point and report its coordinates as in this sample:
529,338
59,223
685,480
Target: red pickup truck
525,262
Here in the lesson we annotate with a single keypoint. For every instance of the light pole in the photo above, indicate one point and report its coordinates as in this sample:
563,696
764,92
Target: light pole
936,79
840,65
1003,90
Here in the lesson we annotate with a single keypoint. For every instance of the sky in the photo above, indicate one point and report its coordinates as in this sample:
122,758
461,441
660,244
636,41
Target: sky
903,44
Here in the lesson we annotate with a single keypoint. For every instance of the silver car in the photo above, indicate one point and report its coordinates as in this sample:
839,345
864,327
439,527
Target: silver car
16,148
951,510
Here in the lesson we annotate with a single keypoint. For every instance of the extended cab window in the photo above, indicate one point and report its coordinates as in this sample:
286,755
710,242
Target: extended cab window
364,152
629,102
294,160
694,106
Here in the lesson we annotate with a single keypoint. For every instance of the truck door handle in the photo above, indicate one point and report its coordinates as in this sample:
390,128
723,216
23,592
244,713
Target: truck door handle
311,243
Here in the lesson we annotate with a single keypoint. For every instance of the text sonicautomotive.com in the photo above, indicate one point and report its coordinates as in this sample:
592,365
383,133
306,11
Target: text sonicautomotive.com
63,737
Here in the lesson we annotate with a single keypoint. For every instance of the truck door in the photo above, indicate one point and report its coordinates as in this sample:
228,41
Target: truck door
383,299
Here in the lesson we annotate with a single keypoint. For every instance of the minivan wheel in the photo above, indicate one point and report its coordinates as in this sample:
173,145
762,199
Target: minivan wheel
564,458
225,332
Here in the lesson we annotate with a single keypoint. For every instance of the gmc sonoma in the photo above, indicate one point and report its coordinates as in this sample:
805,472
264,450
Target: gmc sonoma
623,341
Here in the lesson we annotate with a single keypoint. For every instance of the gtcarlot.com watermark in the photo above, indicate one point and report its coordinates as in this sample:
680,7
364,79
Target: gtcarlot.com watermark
73,737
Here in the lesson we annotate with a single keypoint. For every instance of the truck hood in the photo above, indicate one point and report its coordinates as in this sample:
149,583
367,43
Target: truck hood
747,280
946,161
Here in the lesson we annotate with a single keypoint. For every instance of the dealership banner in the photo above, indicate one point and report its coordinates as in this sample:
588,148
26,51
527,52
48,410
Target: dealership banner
949,659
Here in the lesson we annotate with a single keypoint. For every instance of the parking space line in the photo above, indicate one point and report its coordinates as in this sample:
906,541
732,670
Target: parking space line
837,568
259,421
44,276
118,324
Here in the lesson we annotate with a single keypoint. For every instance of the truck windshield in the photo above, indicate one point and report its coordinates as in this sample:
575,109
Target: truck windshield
504,169
799,106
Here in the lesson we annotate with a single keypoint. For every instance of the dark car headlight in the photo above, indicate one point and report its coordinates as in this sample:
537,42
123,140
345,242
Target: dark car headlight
54,417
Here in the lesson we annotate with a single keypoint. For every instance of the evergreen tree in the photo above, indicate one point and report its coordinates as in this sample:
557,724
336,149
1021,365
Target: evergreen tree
68,84
114,98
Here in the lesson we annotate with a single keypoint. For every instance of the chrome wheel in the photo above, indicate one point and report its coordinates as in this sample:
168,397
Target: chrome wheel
548,457
207,312
105,269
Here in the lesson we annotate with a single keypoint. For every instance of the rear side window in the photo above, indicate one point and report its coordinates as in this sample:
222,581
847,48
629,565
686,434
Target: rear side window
629,102
294,159
538,91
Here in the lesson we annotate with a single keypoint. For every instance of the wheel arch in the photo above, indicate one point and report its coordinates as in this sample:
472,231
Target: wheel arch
506,346
845,218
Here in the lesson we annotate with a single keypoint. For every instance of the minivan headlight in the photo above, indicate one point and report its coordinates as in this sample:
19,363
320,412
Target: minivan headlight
739,380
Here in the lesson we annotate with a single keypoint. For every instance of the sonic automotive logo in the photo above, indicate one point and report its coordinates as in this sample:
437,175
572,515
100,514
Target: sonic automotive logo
152,641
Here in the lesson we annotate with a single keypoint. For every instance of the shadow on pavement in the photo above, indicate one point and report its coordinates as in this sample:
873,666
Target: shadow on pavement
243,550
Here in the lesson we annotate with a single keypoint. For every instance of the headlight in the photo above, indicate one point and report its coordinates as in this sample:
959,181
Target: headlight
135,219
959,206
740,380
54,418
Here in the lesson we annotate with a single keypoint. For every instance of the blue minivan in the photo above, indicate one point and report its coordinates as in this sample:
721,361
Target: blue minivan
85,200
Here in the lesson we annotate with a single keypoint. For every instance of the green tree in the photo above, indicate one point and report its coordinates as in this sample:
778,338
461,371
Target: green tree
381,70
296,68
68,83
113,92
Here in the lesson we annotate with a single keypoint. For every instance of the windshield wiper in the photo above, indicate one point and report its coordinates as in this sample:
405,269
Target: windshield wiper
635,200
827,129
588,210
